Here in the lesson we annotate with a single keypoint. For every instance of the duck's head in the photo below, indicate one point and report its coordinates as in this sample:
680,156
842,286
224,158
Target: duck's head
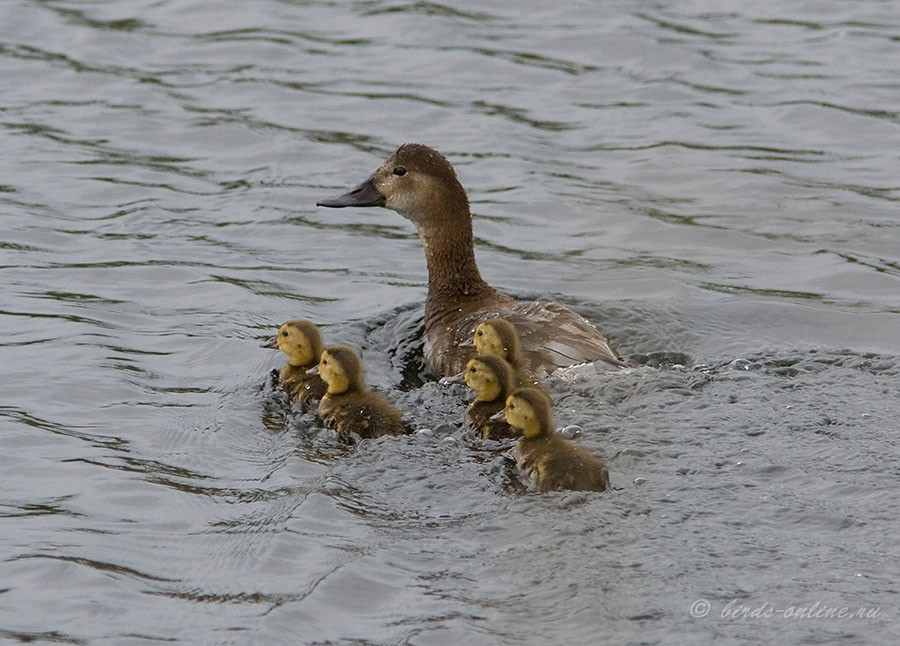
341,368
498,337
300,340
490,377
529,410
416,181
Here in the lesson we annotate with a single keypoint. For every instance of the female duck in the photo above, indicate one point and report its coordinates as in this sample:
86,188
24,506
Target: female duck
347,406
551,462
421,185
301,341
491,378
498,337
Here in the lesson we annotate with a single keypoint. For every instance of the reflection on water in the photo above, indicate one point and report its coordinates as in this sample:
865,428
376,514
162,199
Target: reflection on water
712,185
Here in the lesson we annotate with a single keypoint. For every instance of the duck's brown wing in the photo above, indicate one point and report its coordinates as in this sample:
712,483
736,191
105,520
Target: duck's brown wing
552,336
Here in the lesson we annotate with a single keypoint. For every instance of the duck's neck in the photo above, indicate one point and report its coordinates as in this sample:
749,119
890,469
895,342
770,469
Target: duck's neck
453,275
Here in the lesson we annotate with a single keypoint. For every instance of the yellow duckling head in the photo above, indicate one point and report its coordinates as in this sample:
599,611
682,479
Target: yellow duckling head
498,337
341,368
300,340
530,411
489,376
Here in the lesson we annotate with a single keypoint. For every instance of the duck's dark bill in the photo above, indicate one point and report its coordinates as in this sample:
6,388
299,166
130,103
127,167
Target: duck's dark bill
271,343
363,195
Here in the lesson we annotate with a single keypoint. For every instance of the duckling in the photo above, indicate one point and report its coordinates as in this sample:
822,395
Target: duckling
420,184
347,407
301,341
498,337
491,378
551,462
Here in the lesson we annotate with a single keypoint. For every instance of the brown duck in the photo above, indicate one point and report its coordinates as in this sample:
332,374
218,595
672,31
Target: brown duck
551,462
421,185
347,407
301,341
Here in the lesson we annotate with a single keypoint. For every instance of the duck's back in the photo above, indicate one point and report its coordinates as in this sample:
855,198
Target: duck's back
553,464
365,414
552,336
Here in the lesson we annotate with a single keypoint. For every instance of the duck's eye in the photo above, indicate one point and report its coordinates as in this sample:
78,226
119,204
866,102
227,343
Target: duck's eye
473,369
479,332
284,333
399,171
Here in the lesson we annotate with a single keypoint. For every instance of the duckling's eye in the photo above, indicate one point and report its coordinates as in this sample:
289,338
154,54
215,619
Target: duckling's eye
284,333
473,369
399,171
479,332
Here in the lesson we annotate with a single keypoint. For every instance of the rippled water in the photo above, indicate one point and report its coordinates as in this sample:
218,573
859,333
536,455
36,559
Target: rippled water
715,184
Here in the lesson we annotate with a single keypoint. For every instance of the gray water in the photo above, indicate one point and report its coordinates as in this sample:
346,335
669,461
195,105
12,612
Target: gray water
714,184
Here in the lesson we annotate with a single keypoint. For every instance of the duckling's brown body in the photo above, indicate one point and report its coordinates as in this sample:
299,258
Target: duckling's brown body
302,342
364,414
347,407
551,462
491,379
421,185
303,388
554,464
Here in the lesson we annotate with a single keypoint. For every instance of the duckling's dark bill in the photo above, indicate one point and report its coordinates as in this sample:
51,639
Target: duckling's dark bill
363,195
459,378
271,343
